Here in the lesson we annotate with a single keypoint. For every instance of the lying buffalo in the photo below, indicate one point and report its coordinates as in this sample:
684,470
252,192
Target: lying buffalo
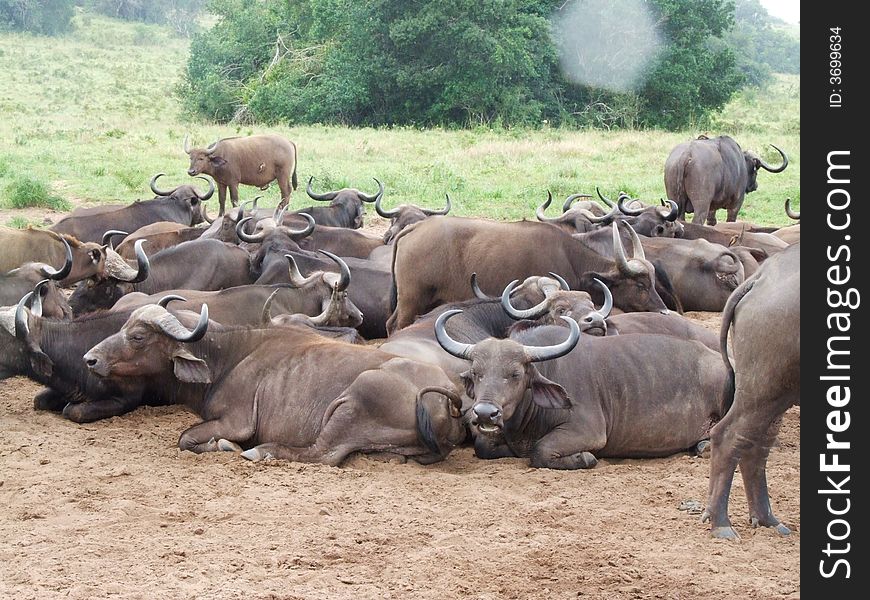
345,207
253,160
404,215
588,397
182,204
764,381
286,392
160,236
706,174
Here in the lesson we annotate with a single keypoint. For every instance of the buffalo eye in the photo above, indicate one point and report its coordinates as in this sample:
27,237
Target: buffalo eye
194,201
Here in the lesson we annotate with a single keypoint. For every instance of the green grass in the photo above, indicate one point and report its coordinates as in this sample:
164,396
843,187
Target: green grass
27,192
95,115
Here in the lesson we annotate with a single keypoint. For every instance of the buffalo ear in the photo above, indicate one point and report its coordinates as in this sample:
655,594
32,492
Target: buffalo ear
95,255
468,380
218,161
548,394
40,363
189,368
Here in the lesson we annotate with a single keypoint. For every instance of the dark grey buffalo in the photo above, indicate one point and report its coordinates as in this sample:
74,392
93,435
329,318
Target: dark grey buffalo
182,204
286,392
564,402
764,314
404,215
256,160
706,174
345,207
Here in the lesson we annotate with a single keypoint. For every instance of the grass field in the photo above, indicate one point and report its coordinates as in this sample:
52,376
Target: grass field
94,114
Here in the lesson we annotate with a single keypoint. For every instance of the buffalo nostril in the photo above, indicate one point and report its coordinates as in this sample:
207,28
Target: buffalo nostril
91,362
588,319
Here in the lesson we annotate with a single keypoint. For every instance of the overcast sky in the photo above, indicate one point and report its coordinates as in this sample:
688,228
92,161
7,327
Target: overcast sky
787,10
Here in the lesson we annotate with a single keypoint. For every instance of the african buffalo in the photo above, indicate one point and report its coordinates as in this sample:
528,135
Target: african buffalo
792,233
253,160
589,397
576,218
181,205
160,236
345,206
765,380
286,392
434,259
706,174
404,215
199,264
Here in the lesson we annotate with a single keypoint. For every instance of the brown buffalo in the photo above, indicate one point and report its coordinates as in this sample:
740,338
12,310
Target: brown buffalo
706,174
406,214
159,236
254,160
764,381
345,207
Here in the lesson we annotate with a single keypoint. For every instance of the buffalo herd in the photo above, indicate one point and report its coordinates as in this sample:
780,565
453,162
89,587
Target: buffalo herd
295,334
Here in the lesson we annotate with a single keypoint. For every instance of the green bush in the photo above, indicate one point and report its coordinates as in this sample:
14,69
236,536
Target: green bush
45,17
27,192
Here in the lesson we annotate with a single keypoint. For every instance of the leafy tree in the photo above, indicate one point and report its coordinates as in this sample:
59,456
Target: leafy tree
46,17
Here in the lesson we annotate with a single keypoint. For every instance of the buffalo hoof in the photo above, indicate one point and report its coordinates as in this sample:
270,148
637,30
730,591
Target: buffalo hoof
49,400
78,412
256,455
228,446
703,449
778,527
725,533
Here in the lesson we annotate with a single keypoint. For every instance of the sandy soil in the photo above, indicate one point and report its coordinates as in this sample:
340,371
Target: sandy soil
114,510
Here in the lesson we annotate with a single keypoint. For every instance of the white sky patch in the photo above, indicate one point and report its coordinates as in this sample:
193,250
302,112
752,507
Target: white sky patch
606,43
787,10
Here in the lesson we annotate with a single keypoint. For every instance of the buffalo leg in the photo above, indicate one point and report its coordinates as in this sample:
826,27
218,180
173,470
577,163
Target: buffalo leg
94,410
49,399
284,184
234,194
222,198
561,449
487,447
753,467
728,444
732,214
202,437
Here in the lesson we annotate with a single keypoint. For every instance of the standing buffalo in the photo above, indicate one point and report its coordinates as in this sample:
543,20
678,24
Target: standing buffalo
764,381
705,174
254,160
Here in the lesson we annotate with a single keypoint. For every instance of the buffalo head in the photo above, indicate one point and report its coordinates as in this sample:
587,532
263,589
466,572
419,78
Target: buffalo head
406,214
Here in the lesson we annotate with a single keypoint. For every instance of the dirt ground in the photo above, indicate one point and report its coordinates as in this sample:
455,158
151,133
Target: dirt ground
114,510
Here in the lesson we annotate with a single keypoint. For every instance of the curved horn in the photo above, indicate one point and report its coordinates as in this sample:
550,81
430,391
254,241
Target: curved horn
674,210
636,246
186,144
778,169
792,215
534,312
327,197
51,273
296,278
455,400
212,147
619,252
210,191
36,302
326,314
478,293
614,210
604,199
632,212
22,331
608,299
107,237
539,212
443,211
266,315
344,281
142,262
205,216
172,327
570,200
387,214
153,185
169,298
457,349
374,197
251,239
301,233
539,353
562,283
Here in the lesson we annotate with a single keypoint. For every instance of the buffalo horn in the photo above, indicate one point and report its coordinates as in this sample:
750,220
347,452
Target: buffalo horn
51,273
562,283
455,400
570,200
327,197
169,298
144,267
478,293
344,280
792,215
534,312
296,278
457,349
374,197
614,210
157,191
539,212
778,169
636,246
173,328
632,212
604,199
38,292
539,353
674,210
605,309
266,315
210,191
22,331
387,214
428,212
301,233
107,237
186,144
621,261
251,239
205,216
